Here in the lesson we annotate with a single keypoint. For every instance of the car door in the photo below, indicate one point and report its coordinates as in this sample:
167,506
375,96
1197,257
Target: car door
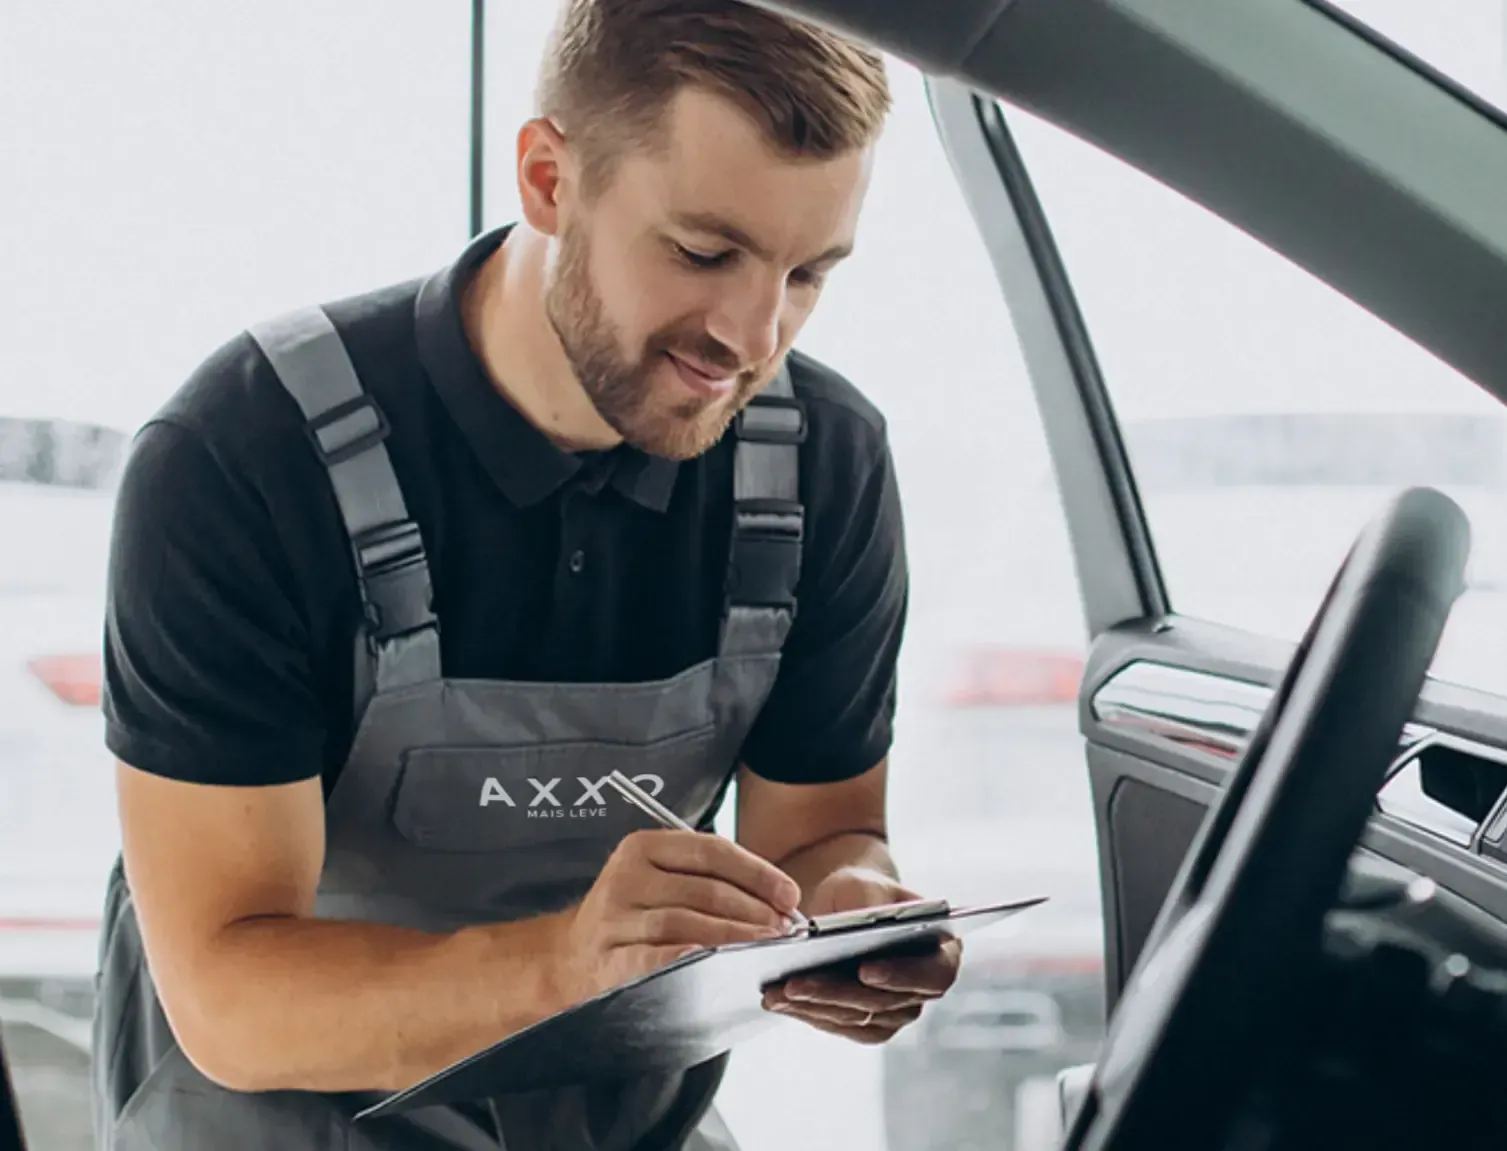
1262,214
12,1137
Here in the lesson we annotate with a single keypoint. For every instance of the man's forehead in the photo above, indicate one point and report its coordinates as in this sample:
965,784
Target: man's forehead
717,175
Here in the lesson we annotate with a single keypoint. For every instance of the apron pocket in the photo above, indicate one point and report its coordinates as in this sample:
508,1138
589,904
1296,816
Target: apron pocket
483,799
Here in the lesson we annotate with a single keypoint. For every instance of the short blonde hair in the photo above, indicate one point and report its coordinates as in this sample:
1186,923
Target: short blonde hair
612,68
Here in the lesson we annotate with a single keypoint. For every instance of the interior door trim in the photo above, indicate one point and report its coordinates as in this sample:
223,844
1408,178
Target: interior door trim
1175,709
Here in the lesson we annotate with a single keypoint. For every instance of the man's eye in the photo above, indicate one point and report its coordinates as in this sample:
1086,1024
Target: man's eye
700,259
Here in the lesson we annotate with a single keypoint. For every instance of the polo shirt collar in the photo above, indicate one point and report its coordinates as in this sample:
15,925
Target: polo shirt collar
524,463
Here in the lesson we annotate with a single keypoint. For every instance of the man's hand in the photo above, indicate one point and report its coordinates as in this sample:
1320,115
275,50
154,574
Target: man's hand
663,894
887,994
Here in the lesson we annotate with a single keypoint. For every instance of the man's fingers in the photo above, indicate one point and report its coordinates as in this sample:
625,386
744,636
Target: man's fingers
657,957
680,925
909,977
929,975
848,1021
692,853
714,897
843,993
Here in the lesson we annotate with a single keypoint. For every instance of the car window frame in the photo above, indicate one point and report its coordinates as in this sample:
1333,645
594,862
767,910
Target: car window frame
1409,59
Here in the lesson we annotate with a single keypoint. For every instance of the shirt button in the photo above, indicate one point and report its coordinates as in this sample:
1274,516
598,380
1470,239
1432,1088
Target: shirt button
577,561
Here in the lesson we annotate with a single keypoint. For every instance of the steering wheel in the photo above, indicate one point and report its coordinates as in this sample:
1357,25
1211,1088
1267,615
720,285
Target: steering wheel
1217,983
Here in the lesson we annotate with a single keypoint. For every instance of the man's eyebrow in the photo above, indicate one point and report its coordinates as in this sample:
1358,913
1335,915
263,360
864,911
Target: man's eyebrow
715,225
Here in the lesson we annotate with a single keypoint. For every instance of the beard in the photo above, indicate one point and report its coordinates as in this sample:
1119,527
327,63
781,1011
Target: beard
624,391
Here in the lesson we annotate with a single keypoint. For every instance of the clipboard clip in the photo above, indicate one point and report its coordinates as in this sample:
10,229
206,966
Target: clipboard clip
861,917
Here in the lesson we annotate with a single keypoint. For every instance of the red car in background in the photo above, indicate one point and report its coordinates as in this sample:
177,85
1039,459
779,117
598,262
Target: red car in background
58,834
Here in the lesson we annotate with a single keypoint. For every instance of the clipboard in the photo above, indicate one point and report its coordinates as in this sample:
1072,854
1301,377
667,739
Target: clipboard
689,1011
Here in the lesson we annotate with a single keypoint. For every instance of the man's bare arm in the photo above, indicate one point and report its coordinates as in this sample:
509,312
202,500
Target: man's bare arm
262,997
811,831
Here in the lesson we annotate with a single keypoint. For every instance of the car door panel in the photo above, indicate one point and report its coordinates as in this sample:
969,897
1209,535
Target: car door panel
1148,822
1162,737
1213,100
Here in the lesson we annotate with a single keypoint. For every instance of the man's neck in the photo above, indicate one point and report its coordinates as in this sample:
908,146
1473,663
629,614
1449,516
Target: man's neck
505,320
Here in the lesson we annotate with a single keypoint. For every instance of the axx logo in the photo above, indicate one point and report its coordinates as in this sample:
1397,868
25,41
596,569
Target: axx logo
545,803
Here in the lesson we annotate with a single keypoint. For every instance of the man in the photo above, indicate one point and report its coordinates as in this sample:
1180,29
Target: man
574,506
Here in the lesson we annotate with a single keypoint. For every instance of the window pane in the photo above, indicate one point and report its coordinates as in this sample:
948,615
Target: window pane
1466,41
1267,416
173,172
188,168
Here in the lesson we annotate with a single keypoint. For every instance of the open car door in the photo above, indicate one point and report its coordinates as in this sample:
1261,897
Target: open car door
1256,257
1305,154
1289,128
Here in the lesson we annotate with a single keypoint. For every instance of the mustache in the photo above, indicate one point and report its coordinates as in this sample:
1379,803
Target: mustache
709,351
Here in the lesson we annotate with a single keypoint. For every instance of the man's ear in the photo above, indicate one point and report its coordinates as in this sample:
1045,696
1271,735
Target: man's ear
544,168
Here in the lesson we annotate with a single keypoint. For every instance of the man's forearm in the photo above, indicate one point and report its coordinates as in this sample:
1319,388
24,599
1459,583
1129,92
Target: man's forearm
326,1006
810,865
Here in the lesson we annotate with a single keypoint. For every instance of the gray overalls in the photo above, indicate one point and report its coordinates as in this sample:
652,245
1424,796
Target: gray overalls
472,801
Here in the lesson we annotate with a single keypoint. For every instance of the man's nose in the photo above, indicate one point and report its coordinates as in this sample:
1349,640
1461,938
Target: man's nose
747,319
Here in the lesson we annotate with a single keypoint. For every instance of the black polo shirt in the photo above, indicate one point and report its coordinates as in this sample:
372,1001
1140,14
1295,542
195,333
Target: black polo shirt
233,605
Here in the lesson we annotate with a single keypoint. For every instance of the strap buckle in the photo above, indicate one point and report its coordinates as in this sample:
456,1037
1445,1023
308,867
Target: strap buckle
396,589
772,519
766,560
347,430
770,419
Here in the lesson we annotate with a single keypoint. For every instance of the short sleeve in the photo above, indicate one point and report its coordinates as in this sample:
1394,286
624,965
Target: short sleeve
207,664
831,714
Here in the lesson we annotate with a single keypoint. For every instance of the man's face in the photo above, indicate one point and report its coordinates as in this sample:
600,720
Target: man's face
677,291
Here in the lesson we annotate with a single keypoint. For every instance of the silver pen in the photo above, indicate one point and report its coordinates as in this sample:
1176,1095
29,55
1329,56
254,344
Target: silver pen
661,814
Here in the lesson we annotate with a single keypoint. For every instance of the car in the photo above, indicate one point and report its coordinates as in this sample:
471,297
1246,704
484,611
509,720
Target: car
58,837
1191,600
1360,1009
57,832
1005,721
1191,620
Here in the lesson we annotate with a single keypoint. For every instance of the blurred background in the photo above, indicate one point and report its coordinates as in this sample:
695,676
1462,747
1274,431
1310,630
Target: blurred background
175,171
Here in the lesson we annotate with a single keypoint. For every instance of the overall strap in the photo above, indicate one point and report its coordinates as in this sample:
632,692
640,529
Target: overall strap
347,430
768,521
